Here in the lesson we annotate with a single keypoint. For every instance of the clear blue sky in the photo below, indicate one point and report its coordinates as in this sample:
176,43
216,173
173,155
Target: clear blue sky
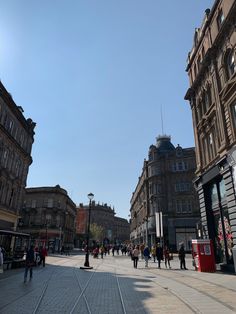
93,75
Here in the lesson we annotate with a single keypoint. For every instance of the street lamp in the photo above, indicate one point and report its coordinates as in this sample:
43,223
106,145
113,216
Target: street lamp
86,263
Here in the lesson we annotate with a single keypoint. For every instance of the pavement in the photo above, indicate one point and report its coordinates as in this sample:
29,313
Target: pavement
114,286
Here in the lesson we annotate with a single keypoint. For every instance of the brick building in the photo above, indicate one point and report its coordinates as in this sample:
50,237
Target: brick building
212,95
115,229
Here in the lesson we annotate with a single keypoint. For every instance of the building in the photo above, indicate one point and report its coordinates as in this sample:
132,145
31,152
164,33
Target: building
49,215
164,205
212,95
16,139
114,229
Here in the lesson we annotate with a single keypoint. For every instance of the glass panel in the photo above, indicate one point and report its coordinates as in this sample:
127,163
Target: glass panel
213,194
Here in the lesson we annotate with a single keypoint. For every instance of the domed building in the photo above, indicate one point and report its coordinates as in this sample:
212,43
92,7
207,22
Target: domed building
164,205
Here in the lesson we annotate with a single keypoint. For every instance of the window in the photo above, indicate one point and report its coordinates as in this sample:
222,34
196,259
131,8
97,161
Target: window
33,204
234,114
50,202
231,64
211,146
179,166
5,158
220,19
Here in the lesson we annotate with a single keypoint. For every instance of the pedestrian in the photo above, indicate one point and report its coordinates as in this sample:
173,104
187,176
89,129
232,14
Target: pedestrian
167,256
141,250
135,255
159,254
43,254
1,260
153,252
146,255
182,257
29,263
113,250
102,251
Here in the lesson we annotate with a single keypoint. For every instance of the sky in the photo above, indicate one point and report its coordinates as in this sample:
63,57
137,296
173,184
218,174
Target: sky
95,76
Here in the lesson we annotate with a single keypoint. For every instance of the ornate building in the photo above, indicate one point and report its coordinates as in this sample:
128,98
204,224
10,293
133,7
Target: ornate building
115,229
16,139
49,215
212,96
165,194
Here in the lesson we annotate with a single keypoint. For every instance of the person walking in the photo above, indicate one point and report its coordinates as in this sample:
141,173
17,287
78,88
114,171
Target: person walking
43,254
146,255
135,255
167,256
182,257
153,252
159,254
29,263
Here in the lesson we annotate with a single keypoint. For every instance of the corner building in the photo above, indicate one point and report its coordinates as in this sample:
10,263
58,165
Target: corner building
212,95
165,186
16,140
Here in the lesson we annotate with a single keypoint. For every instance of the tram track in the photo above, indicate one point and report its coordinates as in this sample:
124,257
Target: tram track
34,289
184,281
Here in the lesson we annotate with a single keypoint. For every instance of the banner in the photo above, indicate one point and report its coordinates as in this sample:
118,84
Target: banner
159,225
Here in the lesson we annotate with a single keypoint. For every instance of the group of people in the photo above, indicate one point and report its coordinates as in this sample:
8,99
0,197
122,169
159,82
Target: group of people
158,254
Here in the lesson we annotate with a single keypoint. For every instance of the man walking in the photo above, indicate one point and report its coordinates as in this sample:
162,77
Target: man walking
29,263
43,254
146,254
182,257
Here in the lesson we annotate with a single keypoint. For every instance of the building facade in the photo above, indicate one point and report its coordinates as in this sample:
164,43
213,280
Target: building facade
49,216
212,95
164,205
114,229
16,139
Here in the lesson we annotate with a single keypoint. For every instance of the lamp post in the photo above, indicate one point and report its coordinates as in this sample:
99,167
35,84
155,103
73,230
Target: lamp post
86,263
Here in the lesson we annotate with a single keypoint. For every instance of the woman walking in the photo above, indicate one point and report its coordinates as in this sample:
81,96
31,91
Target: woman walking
135,255
167,256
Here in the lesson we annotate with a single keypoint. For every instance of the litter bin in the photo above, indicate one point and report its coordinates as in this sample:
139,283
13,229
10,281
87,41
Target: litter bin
203,255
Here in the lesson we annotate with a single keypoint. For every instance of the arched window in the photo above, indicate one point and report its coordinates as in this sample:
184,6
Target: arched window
231,64
220,19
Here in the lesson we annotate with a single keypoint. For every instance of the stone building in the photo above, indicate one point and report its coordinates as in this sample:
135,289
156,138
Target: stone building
115,229
165,194
49,215
16,139
212,95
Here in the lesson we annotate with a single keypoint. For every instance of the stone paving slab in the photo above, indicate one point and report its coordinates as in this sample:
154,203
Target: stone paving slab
142,290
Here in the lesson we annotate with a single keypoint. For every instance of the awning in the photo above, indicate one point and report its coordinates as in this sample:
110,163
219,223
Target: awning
14,233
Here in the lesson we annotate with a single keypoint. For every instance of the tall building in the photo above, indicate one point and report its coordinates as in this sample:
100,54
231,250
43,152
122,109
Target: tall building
114,229
212,95
165,198
16,139
49,216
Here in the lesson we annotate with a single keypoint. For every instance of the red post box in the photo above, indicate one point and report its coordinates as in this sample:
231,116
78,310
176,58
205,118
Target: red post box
203,255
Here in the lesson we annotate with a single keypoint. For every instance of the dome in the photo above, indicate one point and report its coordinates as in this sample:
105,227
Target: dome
164,144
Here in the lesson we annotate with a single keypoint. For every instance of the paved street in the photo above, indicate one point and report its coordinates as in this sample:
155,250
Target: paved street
114,286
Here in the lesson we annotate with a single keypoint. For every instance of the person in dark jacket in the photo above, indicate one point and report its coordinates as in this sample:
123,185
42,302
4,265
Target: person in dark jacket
182,257
29,263
146,255
159,254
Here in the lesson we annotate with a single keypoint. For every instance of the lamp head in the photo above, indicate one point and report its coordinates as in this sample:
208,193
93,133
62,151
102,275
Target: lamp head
90,196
